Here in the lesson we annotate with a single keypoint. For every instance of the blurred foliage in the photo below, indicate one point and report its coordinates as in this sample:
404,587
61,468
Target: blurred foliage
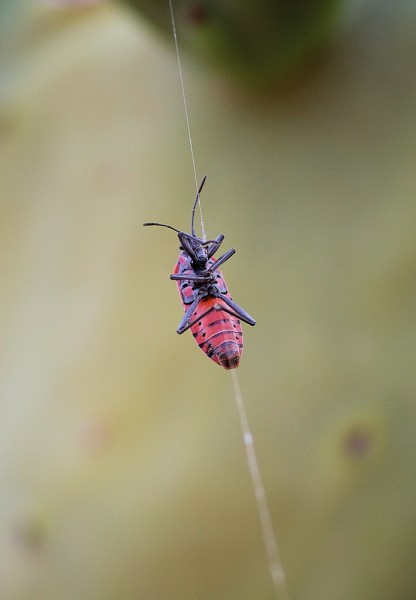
122,468
253,42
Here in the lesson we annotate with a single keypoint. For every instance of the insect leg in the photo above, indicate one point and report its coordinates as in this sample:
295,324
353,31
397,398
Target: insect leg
199,317
197,278
214,245
222,260
240,312
229,311
186,323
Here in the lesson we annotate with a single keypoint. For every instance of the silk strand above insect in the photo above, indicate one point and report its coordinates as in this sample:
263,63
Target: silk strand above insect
210,312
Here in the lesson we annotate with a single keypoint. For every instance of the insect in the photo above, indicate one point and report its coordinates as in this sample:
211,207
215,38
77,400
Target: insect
210,312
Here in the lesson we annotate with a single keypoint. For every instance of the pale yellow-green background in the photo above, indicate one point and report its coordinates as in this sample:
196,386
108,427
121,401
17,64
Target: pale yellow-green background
122,472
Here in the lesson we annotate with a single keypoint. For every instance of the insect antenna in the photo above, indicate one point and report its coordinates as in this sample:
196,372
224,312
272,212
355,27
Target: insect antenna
162,225
194,206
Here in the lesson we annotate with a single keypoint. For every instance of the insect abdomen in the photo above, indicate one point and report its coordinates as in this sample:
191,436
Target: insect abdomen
219,334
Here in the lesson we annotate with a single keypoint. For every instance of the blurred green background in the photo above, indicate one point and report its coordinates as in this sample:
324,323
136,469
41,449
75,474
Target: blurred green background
122,470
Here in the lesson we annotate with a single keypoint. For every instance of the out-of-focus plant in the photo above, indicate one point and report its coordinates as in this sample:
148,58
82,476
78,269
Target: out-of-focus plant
256,43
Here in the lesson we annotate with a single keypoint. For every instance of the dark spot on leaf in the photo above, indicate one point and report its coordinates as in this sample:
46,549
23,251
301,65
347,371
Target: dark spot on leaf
358,441
29,533
197,14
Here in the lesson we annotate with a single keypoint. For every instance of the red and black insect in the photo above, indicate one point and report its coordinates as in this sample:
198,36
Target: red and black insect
210,313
